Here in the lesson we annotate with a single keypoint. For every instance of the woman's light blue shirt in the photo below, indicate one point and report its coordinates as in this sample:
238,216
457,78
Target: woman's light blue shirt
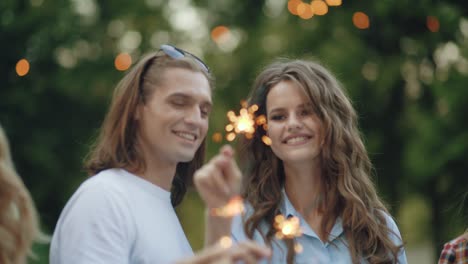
314,250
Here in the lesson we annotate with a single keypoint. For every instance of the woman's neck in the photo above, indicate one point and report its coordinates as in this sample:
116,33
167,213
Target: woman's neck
303,186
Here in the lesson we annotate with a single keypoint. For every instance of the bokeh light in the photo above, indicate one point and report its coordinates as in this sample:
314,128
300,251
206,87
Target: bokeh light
298,248
361,20
292,6
220,34
123,61
217,137
333,2
304,11
432,23
22,67
319,7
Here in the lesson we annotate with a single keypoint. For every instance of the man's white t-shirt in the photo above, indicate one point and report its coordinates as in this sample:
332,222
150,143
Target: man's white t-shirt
117,217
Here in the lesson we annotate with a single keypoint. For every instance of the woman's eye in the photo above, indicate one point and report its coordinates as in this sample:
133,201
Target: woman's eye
277,117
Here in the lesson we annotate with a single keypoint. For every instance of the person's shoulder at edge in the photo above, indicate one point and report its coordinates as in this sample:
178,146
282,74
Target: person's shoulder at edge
458,242
457,247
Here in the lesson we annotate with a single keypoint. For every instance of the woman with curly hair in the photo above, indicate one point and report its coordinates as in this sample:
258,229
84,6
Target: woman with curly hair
19,222
315,167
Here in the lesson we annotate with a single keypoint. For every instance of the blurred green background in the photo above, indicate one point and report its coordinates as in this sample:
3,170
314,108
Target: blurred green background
403,62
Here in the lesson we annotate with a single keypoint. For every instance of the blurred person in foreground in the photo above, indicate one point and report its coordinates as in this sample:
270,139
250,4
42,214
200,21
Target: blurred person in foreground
19,221
314,167
150,144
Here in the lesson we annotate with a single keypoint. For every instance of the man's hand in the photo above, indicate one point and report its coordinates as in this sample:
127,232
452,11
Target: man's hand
219,180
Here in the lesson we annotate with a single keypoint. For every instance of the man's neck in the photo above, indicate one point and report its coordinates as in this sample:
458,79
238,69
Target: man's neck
158,172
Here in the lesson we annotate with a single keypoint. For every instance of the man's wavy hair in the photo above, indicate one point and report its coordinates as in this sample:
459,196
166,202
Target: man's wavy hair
348,191
19,221
117,144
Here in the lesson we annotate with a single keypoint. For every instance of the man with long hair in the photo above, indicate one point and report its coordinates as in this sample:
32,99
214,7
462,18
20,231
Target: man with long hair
150,144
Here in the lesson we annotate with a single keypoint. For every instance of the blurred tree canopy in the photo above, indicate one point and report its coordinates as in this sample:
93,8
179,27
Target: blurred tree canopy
406,73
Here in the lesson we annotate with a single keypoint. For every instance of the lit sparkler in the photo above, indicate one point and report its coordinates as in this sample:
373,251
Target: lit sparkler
287,227
245,123
298,248
225,242
234,207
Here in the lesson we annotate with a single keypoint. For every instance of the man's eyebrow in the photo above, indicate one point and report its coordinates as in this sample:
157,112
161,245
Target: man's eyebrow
180,95
189,97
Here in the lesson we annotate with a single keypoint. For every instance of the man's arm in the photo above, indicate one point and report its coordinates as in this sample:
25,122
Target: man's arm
218,183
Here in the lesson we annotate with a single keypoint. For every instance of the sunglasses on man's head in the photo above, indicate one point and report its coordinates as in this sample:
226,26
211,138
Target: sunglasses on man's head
177,53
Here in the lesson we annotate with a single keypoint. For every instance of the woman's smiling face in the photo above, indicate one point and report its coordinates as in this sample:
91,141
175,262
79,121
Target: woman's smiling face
296,132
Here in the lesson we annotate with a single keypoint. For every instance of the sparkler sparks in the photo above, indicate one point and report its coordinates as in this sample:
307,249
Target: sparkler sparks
287,227
234,207
245,123
298,248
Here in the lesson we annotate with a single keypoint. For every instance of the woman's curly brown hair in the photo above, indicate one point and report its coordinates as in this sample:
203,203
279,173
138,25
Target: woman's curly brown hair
345,183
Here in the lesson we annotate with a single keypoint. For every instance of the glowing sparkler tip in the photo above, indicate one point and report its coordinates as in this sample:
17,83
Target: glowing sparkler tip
225,242
244,123
266,140
287,228
234,207
298,248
